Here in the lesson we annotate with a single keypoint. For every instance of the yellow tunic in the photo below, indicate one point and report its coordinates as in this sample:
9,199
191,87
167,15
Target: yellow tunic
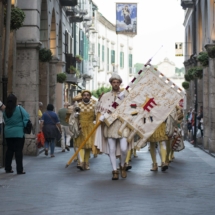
159,134
86,118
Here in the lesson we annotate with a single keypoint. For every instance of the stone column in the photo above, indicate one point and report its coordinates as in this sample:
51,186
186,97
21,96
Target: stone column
44,84
53,80
200,103
26,87
212,104
60,87
206,107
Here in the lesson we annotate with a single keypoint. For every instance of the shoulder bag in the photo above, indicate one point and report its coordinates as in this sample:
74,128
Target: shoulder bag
27,129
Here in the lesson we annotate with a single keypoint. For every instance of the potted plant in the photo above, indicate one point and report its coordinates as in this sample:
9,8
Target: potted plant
210,50
187,77
17,18
72,70
191,74
203,59
45,55
198,72
78,58
185,85
61,77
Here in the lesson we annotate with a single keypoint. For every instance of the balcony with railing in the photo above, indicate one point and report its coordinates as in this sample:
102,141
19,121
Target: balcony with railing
187,4
70,3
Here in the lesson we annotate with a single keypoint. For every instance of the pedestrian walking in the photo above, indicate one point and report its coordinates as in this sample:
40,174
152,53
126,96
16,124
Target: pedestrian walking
50,126
40,113
66,134
15,119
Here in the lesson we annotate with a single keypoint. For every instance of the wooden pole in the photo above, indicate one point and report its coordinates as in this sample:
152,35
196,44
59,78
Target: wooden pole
82,144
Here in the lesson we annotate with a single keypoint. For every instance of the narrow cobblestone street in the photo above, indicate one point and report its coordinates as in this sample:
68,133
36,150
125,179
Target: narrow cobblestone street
187,187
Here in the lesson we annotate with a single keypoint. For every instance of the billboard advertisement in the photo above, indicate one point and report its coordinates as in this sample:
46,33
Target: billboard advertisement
126,18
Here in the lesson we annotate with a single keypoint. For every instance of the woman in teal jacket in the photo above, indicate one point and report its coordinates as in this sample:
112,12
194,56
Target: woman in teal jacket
15,118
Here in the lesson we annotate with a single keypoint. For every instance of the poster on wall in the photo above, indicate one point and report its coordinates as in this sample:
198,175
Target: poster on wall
126,18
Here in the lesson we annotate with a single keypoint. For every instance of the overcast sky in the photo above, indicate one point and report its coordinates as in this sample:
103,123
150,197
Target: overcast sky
160,24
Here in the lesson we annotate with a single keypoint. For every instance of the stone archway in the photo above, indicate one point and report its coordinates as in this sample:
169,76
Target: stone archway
52,40
206,29
212,21
60,41
44,24
54,61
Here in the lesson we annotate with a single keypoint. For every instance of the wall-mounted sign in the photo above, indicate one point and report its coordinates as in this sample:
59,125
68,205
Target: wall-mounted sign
126,18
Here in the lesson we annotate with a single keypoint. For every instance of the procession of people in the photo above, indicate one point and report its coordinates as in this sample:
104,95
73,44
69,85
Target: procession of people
108,140
75,123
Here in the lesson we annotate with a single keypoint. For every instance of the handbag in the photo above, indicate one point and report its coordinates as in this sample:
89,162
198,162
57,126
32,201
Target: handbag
58,134
27,129
40,140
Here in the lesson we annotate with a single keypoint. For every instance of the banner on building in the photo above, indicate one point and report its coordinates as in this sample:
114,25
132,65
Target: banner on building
178,49
126,18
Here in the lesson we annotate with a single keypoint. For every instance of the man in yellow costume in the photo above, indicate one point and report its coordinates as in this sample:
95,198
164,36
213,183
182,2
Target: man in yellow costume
159,137
86,119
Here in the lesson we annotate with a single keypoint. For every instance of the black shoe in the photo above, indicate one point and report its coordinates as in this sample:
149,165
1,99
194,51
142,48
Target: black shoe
20,173
11,171
67,148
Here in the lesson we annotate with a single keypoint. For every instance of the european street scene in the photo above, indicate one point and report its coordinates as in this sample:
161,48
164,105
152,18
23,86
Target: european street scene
107,107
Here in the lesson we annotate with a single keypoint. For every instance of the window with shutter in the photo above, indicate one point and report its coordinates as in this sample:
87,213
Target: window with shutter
99,50
112,56
121,59
103,53
130,60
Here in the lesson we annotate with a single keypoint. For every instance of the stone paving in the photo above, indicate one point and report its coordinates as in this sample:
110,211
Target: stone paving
186,188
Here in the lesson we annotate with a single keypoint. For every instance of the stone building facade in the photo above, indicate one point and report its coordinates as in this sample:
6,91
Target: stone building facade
168,68
199,33
113,53
54,25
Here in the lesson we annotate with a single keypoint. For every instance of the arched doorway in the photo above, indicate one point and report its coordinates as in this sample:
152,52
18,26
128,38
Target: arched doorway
53,34
44,24
60,42
44,67
200,30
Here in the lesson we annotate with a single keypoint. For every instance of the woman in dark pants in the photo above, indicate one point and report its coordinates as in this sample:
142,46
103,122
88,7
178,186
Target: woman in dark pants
50,126
15,118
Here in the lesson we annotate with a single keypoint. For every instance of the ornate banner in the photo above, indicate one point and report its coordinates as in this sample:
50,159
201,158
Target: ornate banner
126,18
148,101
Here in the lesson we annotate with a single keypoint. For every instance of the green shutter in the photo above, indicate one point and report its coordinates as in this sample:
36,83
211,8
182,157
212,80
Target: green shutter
130,60
113,56
103,53
107,56
99,50
120,59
